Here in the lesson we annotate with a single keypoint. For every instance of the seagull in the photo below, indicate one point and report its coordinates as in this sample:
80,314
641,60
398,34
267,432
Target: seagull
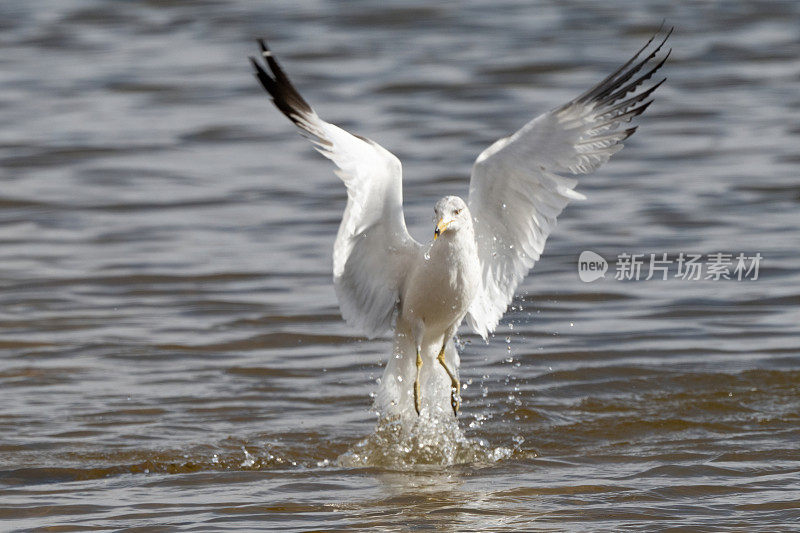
482,247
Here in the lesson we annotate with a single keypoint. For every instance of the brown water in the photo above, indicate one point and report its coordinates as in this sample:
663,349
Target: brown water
172,351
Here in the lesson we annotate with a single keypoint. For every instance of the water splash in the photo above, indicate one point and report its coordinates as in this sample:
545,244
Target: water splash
249,460
429,441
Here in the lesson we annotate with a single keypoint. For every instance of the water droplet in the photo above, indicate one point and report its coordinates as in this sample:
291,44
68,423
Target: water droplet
249,460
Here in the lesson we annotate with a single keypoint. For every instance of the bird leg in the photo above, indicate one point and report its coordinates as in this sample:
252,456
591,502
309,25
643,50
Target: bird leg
455,385
417,388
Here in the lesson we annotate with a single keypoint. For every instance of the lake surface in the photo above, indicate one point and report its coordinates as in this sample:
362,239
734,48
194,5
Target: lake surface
172,353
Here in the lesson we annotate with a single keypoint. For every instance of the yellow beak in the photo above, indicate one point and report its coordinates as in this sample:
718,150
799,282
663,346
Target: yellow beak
440,227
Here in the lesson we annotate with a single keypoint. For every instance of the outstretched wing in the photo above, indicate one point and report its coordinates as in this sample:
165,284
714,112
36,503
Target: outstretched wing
373,247
518,185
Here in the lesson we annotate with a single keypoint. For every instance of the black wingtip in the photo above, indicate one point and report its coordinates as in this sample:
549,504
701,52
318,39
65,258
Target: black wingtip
642,108
666,34
280,88
623,73
266,81
661,63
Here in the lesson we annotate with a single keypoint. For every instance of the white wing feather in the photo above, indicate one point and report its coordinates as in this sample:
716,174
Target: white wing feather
373,247
518,185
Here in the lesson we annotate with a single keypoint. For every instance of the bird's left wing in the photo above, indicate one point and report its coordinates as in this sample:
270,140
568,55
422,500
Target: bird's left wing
518,185
373,247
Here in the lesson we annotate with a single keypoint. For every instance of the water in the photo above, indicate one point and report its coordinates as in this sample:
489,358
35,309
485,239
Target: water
172,350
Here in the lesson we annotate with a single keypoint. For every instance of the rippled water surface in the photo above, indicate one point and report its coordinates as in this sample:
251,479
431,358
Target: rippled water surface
172,350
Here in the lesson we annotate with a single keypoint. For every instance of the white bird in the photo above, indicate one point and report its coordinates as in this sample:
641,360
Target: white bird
481,248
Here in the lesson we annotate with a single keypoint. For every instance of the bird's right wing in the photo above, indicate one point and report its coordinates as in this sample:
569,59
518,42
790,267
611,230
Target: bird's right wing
373,247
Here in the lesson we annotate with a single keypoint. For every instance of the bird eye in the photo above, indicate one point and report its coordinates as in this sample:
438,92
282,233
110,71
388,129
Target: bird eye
458,211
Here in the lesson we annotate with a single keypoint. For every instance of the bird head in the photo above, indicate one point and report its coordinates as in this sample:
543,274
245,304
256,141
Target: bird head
451,214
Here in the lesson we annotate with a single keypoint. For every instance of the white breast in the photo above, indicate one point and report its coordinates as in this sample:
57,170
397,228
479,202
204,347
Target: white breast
443,283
